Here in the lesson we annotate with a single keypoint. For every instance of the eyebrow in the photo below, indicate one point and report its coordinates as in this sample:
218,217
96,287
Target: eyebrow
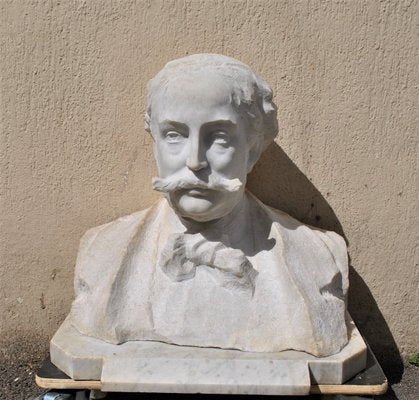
206,125
219,122
175,124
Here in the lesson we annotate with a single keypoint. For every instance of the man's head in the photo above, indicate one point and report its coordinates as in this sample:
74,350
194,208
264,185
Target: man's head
210,117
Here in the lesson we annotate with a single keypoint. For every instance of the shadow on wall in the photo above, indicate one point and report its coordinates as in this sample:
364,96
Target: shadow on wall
291,191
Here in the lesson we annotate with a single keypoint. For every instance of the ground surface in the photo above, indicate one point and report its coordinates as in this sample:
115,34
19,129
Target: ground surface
18,364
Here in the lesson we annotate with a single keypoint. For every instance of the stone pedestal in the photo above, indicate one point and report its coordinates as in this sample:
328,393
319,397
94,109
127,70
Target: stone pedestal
143,366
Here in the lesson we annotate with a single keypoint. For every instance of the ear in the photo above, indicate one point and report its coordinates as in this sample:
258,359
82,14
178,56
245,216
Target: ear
254,153
147,122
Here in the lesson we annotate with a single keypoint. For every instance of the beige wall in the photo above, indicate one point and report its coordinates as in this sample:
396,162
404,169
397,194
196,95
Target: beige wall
75,154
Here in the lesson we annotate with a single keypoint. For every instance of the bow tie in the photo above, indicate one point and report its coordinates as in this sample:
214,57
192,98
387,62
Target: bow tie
184,253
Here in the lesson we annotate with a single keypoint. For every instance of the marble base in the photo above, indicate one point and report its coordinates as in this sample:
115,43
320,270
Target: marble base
143,366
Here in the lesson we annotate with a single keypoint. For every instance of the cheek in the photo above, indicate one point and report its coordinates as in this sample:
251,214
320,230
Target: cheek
230,161
169,158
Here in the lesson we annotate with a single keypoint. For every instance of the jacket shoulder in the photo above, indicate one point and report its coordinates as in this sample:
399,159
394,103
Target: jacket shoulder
102,246
323,241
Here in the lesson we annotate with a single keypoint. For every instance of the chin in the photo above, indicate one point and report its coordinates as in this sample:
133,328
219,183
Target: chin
200,209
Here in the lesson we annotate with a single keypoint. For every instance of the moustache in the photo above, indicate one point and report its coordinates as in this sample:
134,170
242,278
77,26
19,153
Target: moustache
173,183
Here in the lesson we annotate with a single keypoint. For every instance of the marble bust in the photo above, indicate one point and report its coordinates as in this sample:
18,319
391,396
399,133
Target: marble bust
209,265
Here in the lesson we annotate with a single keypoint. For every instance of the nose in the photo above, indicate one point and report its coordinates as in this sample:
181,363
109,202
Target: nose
196,157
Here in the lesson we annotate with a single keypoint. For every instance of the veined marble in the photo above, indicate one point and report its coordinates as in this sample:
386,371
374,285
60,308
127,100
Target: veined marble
209,289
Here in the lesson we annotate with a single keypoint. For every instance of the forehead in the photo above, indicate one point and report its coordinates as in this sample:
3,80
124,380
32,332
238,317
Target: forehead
208,94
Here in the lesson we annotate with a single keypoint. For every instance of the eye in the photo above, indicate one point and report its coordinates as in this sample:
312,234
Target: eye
173,136
221,138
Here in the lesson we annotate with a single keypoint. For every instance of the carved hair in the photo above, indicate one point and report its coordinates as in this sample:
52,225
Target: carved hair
249,93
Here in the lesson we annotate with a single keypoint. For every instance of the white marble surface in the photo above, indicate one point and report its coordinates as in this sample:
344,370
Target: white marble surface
159,367
214,376
210,265
209,290
285,290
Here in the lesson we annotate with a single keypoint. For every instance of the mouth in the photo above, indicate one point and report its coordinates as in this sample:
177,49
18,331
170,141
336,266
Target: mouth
197,192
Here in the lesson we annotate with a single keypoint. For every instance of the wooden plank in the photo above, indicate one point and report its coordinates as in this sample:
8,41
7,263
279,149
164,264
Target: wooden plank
54,383
371,390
